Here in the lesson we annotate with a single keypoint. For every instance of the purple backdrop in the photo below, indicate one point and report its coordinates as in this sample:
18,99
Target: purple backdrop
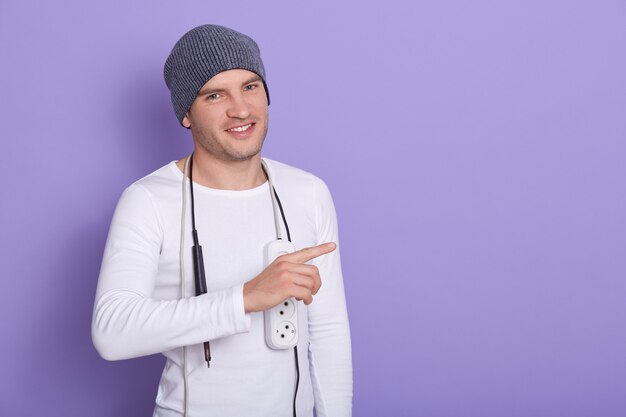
475,150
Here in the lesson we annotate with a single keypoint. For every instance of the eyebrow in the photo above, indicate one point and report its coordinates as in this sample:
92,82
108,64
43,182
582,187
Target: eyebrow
252,79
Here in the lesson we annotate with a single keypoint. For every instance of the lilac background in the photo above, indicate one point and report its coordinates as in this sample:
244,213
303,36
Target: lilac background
475,151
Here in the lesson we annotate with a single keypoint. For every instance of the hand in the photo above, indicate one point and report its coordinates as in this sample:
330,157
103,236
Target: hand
288,276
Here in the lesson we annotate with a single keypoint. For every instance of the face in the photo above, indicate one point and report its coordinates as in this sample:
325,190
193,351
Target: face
228,118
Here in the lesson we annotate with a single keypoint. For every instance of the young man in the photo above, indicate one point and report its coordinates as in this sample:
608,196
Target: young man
147,301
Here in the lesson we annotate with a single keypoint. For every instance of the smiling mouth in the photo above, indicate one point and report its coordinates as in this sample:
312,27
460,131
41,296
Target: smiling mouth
240,128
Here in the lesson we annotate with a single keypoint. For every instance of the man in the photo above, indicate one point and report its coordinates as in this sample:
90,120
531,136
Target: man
146,299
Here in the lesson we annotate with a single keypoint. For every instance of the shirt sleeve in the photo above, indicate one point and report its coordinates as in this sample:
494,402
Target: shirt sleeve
329,332
127,322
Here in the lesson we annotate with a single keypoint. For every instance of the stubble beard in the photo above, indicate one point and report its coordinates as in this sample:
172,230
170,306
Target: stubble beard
228,154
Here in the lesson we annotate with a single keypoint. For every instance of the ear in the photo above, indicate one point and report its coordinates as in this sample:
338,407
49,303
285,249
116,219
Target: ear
186,121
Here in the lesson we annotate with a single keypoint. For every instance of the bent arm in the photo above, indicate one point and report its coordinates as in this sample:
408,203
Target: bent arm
127,322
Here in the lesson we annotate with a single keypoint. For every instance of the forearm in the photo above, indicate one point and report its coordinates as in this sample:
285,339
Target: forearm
127,324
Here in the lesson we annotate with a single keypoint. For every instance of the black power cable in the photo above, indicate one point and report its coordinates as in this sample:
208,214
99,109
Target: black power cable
198,259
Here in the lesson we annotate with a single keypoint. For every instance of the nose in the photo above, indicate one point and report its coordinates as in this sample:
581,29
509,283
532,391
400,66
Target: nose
238,107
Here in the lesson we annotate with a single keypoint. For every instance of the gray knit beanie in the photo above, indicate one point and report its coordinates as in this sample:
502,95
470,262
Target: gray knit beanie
202,53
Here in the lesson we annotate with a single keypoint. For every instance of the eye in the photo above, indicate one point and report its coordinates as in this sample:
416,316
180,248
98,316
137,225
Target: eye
213,97
250,87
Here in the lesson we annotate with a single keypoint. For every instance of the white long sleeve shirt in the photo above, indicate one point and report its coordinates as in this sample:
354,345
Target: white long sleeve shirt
140,308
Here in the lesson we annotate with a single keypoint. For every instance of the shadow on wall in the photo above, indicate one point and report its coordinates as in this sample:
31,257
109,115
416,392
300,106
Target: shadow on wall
151,133
71,378
151,138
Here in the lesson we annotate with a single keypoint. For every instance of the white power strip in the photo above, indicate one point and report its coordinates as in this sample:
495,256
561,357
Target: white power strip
281,321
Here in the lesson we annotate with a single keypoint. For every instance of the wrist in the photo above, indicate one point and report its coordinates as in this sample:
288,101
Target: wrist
247,301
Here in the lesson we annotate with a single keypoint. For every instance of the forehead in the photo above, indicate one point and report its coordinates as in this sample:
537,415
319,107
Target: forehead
230,78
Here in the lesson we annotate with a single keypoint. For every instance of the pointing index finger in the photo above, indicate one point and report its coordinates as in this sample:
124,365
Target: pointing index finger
306,254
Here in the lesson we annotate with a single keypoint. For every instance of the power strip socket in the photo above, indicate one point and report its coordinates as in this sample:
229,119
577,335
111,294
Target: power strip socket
281,321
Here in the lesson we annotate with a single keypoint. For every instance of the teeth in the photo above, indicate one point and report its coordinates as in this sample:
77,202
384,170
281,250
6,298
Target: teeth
241,129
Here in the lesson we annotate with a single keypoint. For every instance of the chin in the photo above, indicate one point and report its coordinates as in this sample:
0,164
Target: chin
242,156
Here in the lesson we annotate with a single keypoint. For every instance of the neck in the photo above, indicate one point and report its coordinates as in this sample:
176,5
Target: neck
226,175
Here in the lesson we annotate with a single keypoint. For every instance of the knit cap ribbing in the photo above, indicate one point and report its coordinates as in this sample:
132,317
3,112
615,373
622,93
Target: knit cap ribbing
202,53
